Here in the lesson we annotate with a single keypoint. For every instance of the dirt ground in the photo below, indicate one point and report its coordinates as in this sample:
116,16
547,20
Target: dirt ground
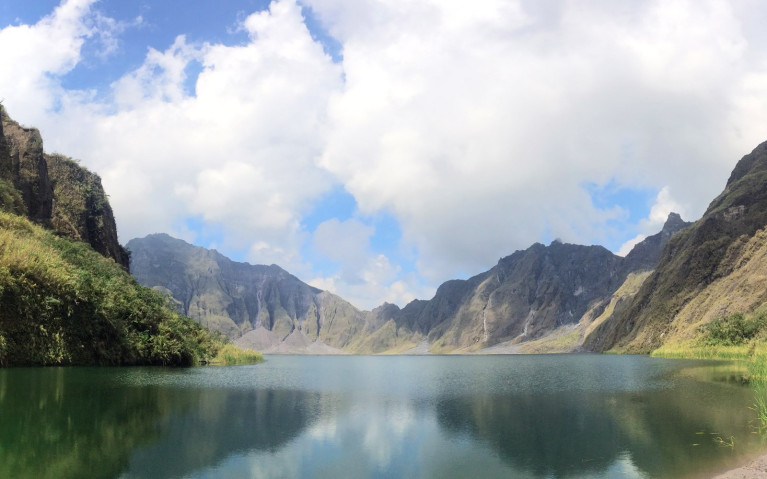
753,470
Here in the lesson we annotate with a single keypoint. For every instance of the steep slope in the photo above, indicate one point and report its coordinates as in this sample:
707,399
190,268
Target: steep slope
526,296
65,294
709,269
22,164
63,303
531,294
54,191
645,255
238,298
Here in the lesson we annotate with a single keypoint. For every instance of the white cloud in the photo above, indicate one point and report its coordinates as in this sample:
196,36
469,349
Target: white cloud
477,136
364,278
474,124
346,242
664,205
34,55
240,153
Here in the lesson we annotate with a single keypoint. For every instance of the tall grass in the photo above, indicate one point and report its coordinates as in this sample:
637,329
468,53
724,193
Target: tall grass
736,337
230,355
63,303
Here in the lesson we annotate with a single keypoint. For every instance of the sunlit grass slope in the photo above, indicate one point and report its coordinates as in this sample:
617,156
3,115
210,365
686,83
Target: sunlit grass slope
63,303
738,336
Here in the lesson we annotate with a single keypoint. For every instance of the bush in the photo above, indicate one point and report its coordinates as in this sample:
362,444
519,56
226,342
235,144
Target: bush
63,303
10,199
733,330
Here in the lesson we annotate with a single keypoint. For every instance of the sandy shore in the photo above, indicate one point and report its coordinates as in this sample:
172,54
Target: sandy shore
756,469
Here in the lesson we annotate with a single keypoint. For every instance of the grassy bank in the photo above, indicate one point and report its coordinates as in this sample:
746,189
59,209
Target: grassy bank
694,350
61,303
736,337
739,336
231,355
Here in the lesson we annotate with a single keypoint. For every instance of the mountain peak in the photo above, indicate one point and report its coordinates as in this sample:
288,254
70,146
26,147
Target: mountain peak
674,223
756,160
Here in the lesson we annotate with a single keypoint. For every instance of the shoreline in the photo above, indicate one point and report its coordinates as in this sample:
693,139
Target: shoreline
754,469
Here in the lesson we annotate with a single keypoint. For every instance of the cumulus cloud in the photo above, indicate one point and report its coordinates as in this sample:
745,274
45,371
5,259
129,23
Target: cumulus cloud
34,55
477,133
363,277
238,153
475,125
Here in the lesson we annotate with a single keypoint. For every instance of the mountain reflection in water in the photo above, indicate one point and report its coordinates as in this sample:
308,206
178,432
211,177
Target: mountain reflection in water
535,417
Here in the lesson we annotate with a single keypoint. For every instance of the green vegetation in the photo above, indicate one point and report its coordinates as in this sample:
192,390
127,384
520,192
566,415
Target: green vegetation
735,337
10,199
733,330
231,355
63,303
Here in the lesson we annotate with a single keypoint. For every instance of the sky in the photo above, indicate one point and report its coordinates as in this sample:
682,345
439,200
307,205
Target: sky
377,148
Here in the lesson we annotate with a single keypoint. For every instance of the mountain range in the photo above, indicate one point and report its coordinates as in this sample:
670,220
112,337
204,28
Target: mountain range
556,298
547,298
527,296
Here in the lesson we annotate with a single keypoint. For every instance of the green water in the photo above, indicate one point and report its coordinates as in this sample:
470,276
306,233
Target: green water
553,416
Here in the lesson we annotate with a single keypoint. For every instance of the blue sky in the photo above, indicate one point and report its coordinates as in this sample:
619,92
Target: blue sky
377,149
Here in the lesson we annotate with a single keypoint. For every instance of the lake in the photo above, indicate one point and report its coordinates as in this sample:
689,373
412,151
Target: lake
545,416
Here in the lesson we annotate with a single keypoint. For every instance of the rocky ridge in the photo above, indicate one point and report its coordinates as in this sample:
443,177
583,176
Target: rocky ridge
259,306
54,191
526,296
710,269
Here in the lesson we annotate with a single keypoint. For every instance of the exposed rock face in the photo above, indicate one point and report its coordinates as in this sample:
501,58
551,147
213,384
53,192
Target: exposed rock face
81,210
55,191
524,297
696,264
646,254
529,294
237,298
24,166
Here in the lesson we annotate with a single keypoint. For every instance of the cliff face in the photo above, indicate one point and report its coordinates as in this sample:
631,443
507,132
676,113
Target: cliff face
702,271
81,210
530,294
526,296
237,298
646,254
54,191
23,165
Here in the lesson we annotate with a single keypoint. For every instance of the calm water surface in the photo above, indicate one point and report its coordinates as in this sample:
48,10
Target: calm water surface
552,416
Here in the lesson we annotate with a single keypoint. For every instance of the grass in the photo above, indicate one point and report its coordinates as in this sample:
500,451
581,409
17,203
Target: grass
693,350
734,337
231,355
61,303
737,337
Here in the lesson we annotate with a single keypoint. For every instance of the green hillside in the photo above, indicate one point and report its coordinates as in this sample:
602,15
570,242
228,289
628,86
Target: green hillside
63,303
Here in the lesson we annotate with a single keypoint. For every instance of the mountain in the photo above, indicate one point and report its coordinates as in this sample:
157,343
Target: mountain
260,306
711,269
66,297
529,294
54,191
526,296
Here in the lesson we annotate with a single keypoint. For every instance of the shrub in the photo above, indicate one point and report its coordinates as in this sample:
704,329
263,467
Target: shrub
733,330
63,303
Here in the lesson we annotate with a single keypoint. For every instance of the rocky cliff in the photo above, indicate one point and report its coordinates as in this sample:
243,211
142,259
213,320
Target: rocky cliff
710,269
261,306
526,296
54,191
529,294
22,164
